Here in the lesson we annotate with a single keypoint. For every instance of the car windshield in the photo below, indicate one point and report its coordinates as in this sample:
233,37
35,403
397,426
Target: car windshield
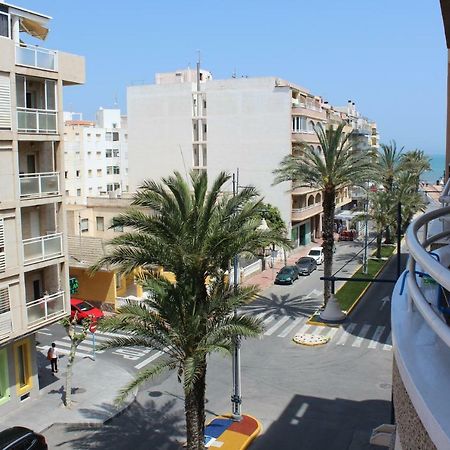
84,306
304,261
285,271
314,252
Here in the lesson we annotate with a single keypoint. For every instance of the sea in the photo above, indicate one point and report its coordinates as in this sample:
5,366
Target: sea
437,169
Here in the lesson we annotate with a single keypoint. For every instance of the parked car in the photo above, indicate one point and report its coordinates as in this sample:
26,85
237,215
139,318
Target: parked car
84,310
317,254
306,265
18,438
287,275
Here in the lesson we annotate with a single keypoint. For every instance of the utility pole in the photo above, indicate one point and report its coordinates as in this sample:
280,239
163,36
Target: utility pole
366,233
236,398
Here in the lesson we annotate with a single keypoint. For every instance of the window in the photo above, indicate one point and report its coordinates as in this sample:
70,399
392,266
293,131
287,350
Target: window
115,136
116,186
89,154
108,136
84,225
109,187
77,174
90,173
100,221
99,172
116,153
67,191
66,173
116,170
108,152
90,190
78,192
4,24
23,366
99,155
109,170
2,253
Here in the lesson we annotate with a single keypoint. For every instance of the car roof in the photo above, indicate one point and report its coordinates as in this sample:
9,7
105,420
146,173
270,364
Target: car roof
76,301
306,259
288,268
316,248
12,434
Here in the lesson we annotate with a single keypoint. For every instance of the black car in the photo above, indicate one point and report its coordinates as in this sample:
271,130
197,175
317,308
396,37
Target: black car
287,275
306,265
18,438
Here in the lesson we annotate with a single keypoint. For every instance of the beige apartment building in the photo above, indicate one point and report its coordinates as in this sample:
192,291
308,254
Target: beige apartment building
33,250
249,124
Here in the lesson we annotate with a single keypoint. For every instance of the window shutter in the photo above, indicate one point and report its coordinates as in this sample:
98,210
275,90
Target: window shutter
5,101
5,314
2,247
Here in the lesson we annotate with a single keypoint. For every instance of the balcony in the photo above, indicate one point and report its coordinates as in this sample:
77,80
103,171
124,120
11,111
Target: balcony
36,121
45,308
305,212
42,248
40,58
39,184
420,327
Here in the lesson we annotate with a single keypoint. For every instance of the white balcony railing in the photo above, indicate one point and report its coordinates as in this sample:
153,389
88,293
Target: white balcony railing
32,56
45,308
306,208
31,120
39,184
42,248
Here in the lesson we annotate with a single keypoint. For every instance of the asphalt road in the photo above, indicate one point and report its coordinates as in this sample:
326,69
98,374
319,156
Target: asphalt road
328,397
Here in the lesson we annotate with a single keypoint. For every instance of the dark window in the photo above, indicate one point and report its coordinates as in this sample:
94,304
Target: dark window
4,25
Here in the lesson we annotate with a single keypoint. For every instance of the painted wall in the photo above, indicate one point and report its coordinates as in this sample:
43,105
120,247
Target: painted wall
100,287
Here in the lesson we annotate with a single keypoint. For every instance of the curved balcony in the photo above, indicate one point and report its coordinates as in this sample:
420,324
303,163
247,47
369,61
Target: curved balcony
420,327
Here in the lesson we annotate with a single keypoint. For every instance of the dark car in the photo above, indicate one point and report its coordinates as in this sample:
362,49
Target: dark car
306,265
287,275
18,438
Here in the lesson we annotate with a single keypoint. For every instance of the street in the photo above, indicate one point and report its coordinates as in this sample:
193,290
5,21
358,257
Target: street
310,397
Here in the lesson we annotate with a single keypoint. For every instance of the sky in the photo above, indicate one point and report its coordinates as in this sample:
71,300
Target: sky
388,56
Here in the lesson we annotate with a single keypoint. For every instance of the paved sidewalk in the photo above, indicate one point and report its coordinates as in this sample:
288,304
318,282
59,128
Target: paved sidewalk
266,278
95,386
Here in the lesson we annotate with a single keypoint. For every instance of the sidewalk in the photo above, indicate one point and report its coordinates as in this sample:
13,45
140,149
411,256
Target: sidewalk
95,386
266,278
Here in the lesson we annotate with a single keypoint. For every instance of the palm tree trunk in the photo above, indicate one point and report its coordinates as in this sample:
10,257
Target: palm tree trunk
328,229
379,237
194,406
387,236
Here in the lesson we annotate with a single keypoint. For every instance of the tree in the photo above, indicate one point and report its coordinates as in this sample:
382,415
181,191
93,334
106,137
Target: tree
273,217
194,234
338,165
76,338
415,163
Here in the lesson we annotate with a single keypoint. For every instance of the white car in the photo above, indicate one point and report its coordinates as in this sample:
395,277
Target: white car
317,254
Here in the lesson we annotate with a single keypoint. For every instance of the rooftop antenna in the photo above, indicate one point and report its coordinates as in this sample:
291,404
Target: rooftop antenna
233,75
198,71
116,103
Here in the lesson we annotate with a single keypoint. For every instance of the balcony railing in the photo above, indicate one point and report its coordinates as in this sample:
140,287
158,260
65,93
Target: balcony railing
42,248
31,120
32,56
45,308
305,208
39,184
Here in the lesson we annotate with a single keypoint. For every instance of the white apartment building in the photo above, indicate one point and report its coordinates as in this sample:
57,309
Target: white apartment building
33,247
95,155
249,124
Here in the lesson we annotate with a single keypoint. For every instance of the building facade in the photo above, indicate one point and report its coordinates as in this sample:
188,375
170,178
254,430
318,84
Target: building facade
33,250
95,155
183,123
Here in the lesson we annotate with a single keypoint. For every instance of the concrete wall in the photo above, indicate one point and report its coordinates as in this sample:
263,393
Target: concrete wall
100,287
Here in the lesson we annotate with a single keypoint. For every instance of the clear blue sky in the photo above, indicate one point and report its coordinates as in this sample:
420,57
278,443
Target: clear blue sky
388,56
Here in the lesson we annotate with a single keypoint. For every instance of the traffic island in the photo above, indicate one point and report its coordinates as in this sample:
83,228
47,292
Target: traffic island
225,433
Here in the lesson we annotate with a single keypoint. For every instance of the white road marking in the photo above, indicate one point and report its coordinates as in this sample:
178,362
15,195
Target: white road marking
346,334
361,335
43,332
80,347
314,293
149,360
64,351
303,329
268,319
276,326
330,332
383,302
290,327
376,336
388,345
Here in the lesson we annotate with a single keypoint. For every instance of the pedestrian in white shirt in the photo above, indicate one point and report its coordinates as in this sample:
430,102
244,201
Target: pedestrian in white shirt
52,355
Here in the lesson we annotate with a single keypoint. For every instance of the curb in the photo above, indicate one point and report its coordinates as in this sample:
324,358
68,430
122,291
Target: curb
96,423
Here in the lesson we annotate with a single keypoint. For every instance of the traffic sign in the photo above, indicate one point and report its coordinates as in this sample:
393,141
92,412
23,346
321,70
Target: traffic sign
93,327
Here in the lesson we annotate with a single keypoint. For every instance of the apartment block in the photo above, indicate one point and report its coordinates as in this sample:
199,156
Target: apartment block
185,122
33,250
95,156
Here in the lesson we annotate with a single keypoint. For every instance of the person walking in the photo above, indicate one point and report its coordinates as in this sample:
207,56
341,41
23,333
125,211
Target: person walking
52,355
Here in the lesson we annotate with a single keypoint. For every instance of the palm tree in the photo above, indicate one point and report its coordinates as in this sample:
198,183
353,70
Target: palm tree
416,163
193,233
389,163
337,166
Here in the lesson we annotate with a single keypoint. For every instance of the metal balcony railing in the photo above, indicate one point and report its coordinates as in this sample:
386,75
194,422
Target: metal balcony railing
40,184
42,248
38,57
30,120
45,308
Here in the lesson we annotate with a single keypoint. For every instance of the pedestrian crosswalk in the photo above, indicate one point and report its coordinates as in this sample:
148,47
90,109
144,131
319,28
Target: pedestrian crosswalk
356,335
86,348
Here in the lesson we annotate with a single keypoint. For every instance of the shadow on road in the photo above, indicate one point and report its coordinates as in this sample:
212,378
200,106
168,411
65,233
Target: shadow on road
139,427
312,423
